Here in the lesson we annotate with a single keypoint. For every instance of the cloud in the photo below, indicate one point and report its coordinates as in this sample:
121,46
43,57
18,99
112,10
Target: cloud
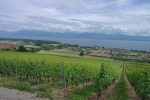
130,17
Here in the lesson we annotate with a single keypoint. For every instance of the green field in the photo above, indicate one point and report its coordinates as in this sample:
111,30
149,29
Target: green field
55,58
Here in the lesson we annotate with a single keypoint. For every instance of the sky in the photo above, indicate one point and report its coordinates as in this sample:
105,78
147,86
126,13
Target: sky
130,17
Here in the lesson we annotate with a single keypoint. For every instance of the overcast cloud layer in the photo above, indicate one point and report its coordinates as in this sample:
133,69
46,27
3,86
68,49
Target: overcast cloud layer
131,17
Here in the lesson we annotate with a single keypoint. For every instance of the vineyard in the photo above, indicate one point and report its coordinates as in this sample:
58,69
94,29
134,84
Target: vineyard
40,71
72,78
139,76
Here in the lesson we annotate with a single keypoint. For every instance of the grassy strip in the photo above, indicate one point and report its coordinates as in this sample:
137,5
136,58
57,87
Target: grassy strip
120,91
81,93
50,58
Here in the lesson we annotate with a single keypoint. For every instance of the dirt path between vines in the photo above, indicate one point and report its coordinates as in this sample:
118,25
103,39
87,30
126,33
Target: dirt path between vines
13,94
107,93
110,94
131,92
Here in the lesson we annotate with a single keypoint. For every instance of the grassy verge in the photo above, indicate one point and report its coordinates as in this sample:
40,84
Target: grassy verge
42,90
81,93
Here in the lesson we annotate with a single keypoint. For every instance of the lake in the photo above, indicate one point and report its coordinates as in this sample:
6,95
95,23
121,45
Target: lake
130,45
124,44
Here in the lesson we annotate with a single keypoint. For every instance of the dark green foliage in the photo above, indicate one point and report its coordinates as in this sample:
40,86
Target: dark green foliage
81,53
22,49
101,80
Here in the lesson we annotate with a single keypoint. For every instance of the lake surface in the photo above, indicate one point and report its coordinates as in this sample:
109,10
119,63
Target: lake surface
130,45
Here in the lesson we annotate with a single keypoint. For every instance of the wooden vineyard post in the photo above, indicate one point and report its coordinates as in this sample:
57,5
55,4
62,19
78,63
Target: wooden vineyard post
63,74
16,69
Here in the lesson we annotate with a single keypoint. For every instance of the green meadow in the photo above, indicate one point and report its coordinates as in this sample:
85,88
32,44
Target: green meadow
54,58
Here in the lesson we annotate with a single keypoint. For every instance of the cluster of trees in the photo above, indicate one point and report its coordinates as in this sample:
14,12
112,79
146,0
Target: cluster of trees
81,53
22,49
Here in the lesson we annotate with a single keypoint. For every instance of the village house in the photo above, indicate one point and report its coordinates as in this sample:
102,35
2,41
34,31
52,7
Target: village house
5,47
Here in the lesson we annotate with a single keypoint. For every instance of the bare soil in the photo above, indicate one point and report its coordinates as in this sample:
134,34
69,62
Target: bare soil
109,94
105,94
131,91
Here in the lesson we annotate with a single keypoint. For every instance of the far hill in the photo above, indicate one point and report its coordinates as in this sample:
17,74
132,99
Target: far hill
33,34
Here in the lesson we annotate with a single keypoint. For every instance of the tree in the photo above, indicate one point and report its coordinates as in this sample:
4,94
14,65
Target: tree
22,49
81,53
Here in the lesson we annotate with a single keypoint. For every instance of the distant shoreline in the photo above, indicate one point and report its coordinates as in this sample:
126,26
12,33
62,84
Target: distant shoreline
121,44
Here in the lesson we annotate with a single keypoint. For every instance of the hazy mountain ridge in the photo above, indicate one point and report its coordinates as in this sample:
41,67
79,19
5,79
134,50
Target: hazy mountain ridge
32,34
